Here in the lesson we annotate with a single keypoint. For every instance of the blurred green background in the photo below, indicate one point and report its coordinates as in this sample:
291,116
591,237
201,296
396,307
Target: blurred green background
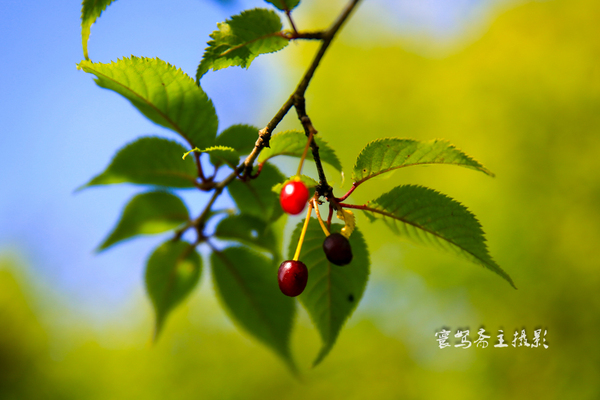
519,92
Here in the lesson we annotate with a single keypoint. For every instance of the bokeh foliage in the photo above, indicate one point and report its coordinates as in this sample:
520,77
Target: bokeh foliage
524,98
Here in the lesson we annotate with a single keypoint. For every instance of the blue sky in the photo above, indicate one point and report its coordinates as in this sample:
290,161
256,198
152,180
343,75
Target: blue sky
59,129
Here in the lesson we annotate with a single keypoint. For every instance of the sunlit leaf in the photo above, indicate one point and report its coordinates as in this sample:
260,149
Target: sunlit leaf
148,213
223,154
284,5
90,11
332,292
172,271
163,93
149,161
246,283
254,196
241,39
383,155
429,217
240,137
292,143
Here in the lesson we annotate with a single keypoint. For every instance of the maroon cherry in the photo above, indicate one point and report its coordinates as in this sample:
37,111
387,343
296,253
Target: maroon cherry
293,197
292,277
337,249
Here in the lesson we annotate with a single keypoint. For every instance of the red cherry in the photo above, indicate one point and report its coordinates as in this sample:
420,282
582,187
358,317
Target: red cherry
292,277
293,197
337,249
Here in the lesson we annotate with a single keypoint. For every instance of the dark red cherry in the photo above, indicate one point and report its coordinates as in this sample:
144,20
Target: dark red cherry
292,277
293,197
337,249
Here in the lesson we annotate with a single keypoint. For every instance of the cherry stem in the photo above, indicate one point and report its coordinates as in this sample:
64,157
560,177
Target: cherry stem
304,228
329,216
314,201
308,142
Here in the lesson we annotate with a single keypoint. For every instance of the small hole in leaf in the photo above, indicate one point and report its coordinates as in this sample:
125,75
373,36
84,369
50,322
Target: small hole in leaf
254,233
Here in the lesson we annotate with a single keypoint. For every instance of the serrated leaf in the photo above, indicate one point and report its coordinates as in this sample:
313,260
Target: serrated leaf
250,230
172,271
223,154
239,40
146,214
292,143
241,137
149,161
383,155
424,215
163,93
90,12
255,197
246,283
309,182
332,292
284,5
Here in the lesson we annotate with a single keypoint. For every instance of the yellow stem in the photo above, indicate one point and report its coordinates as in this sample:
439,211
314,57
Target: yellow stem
304,228
310,137
319,218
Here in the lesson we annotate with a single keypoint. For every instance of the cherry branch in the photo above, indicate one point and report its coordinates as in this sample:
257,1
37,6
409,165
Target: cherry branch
323,189
296,99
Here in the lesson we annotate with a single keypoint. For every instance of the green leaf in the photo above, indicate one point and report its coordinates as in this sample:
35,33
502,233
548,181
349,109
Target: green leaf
241,137
220,154
246,283
429,217
332,292
284,5
309,182
172,271
250,230
146,214
383,155
292,143
149,161
163,93
255,197
90,12
241,39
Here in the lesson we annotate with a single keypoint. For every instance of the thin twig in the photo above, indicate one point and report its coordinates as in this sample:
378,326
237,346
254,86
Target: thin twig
288,13
199,165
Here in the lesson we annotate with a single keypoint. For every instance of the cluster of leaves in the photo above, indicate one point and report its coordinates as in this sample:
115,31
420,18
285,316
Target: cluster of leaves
244,262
